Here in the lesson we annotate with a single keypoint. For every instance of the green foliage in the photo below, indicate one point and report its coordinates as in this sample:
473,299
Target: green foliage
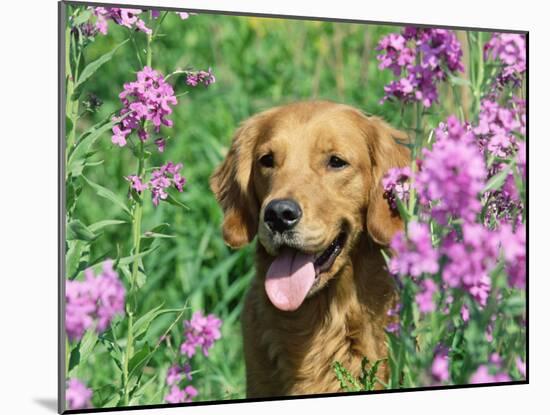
367,380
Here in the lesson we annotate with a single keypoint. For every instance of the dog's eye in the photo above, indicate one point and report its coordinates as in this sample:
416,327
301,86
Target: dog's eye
267,160
336,162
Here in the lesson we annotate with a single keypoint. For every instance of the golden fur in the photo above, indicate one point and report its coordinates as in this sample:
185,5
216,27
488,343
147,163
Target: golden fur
344,316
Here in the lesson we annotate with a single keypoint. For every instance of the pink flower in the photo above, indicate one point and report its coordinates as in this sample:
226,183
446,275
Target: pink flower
77,395
196,78
470,259
482,375
424,299
178,395
148,99
440,366
414,253
438,50
396,184
124,17
452,175
515,254
94,301
201,332
164,177
136,183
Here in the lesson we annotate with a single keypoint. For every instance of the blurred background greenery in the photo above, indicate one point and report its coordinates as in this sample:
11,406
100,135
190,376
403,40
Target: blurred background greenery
258,63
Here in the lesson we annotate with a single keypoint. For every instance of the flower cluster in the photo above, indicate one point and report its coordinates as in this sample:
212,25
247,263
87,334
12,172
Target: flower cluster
149,98
124,17
93,302
452,176
486,374
77,395
201,331
396,184
173,378
498,126
422,58
510,49
469,259
161,180
195,78
413,252
178,395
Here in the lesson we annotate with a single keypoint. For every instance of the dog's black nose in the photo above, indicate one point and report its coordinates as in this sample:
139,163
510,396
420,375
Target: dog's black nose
282,214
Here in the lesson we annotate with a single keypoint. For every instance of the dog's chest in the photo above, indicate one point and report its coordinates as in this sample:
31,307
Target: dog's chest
303,361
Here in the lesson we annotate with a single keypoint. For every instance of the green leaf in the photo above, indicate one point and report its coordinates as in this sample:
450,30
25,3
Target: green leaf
92,67
104,223
137,392
158,229
142,324
457,80
79,154
173,201
107,194
87,344
497,180
83,17
138,360
129,259
77,257
82,351
76,230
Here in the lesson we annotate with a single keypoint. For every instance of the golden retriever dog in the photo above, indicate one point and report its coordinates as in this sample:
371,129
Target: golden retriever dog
305,179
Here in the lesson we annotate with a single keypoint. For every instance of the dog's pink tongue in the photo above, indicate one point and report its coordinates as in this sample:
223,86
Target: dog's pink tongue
289,279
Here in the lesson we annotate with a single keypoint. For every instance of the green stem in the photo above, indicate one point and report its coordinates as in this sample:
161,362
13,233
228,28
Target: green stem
71,108
127,357
136,236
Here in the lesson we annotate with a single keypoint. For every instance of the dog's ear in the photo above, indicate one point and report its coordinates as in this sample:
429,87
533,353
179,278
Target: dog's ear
387,149
233,187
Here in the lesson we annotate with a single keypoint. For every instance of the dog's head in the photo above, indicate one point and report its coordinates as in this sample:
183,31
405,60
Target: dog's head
306,178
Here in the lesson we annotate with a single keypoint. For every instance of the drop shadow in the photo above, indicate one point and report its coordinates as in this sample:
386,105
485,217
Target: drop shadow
48,403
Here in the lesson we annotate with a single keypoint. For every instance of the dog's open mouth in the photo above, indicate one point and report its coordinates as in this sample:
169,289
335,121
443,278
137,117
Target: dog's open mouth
324,261
293,272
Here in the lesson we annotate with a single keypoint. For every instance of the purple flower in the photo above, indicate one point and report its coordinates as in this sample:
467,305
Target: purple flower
200,77
164,177
440,365
482,375
424,299
123,17
396,184
510,49
77,395
452,175
178,395
498,125
174,375
148,99
96,300
414,253
465,313
515,252
136,183
161,144
470,259
421,57
201,332
392,328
